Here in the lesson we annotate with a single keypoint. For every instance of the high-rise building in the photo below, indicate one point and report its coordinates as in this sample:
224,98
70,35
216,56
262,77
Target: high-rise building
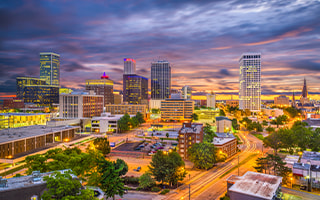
250,81
160,80
135,89
129,66
211,100
35,90
102,86
186,92
50,68
80,105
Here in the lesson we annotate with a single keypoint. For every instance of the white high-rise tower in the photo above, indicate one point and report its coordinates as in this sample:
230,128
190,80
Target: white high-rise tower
250,81
129,66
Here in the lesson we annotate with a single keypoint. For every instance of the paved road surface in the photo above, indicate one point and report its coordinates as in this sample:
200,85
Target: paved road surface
302,195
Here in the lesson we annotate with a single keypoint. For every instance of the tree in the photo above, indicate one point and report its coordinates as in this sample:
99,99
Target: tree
123,123
302,135
194,117
273,140
246,122
281,119
315,140
110,181
102,144
269,129
247,112
291,112
63,186
208,133
167,135
146,181
203,155
140,117
262,164
235,124
155,111
287,139
167,168
121,164
134,122
222,113
36,163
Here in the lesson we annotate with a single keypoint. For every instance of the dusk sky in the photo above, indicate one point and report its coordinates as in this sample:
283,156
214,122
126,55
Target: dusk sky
202,40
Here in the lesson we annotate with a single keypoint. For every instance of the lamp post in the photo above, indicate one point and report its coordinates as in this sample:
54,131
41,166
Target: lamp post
189,186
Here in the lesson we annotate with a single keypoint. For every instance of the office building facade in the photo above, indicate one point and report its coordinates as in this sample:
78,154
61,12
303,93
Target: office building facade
82,105
126,108
176,109
50,68
160,80
135,89
186,92
211,100
102,86
35,90
282,100
250,81
129,66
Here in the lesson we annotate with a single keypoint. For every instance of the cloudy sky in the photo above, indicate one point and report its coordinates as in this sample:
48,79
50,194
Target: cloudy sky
202,40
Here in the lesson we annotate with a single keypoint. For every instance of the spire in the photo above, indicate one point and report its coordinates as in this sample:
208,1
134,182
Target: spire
104,76
304,89
293,100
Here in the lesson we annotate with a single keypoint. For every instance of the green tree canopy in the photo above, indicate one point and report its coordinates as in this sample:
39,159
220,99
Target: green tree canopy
121,164
140,117
63,186
203,155
146,181
167,167
194,117
110,181
102,144
222,113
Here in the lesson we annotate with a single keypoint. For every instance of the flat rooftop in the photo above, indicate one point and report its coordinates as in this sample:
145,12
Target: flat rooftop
23,114
222,118
257,185
195,128
12,134
290,159
222,141
225,135
28,181
311,155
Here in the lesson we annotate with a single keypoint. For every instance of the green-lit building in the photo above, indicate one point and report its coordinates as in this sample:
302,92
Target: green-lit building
35,90
50,68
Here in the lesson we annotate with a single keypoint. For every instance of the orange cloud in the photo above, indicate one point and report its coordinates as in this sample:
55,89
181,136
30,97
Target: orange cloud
281,37
221,48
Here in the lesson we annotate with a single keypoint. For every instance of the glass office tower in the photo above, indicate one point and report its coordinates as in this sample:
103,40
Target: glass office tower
160,80
135,89
50,68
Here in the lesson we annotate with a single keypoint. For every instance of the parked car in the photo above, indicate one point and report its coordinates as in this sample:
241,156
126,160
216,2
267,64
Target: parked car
303,187
138,169
151,153
137,149
160,148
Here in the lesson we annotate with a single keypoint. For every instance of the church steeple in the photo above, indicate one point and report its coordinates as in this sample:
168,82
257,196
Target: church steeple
304,89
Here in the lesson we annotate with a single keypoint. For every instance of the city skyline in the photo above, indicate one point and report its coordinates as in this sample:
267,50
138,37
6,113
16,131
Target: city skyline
203,41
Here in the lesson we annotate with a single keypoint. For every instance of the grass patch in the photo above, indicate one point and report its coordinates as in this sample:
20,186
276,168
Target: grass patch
238,139
259,136
165,191
241,163
12,170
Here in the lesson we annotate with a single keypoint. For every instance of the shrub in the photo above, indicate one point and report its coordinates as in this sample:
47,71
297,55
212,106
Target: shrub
165,191
131,180
155,189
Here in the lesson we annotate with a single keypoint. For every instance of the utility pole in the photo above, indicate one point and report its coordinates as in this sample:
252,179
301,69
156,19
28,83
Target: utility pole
189,186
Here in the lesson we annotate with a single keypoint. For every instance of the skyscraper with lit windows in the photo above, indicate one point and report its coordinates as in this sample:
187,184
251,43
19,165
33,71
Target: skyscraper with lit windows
160,80
50,68
250,81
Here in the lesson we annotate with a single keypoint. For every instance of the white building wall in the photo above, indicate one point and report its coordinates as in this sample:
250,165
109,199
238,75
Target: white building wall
211,100
250,81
